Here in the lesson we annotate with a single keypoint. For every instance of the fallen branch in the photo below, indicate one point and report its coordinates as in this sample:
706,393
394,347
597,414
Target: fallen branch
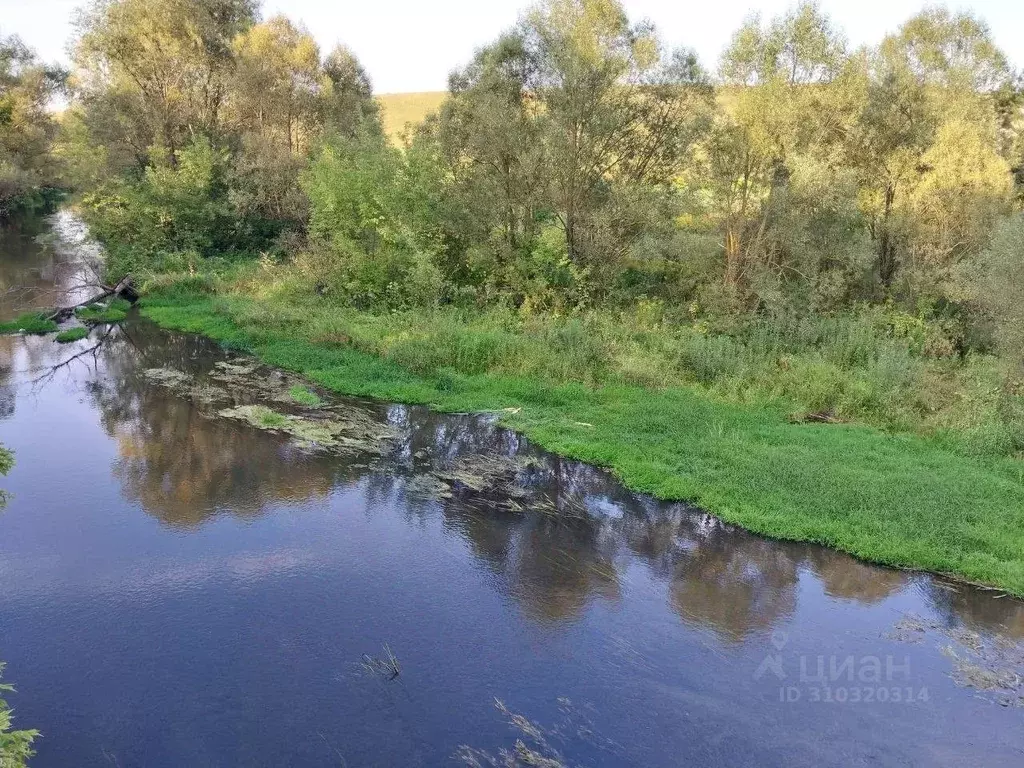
124,290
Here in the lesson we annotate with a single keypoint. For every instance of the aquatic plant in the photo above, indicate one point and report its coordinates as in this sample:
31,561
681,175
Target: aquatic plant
304,396
114,312
71,334
6,462
30,322
385,665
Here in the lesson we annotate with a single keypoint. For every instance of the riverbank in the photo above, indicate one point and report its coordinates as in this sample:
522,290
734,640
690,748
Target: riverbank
898,499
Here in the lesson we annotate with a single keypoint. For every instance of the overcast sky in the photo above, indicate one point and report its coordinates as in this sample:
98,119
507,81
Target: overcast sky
412,45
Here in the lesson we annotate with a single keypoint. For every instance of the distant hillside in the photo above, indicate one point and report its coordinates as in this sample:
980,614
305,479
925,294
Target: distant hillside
400,109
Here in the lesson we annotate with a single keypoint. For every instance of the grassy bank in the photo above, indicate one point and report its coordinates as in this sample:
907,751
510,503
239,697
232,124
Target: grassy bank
896,498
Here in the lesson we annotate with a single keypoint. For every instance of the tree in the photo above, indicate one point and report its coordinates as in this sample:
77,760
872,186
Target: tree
26,128
939,67
613,107
278,80
790,95
160,86
155,72
15,746
561,123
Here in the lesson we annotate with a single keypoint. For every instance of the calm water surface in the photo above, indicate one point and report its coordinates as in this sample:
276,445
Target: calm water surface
178,588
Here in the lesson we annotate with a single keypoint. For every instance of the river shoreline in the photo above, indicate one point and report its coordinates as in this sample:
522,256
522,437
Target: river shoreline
247,529
864,492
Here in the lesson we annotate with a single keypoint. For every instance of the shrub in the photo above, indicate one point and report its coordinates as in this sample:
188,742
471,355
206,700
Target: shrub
15,746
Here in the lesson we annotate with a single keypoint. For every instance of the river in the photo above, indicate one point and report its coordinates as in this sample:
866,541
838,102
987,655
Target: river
181,587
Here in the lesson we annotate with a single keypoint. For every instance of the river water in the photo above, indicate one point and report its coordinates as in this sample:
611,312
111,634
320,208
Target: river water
179,587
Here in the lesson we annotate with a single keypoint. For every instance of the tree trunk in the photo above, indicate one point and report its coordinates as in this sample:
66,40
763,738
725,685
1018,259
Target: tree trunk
733,257
886,243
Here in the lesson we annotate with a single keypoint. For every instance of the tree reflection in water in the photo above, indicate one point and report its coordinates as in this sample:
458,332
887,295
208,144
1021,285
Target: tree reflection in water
183,465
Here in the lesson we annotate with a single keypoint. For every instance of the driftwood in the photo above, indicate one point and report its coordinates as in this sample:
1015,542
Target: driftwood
124,290
821,417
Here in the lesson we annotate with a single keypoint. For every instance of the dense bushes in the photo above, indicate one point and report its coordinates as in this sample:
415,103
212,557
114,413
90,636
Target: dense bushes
829,227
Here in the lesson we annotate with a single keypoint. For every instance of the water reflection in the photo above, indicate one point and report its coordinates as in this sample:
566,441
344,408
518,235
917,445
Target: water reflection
47,261
565,541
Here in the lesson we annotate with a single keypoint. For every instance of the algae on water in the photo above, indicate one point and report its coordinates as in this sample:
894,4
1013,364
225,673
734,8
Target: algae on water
357,433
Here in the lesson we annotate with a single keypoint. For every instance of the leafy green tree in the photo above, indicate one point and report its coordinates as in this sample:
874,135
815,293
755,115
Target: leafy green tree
363,248
278,76
172,216
940,67
26,127
283,100
192,121
614,109
790,97
563,123
156,72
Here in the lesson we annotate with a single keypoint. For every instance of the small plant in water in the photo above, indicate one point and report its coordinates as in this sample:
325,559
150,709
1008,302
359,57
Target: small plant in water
269,418
115,312
33,322
385,665
71,334
303,396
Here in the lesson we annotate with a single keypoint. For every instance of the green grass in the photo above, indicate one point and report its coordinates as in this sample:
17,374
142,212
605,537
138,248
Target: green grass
303,396
115,312
71,334
899,499
268,418
31,322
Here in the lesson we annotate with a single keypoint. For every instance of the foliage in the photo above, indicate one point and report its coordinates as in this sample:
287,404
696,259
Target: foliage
26,127
15,746
364,251
31,322
303,396
855,488
172,213
191,123
71,334
6,463
114,312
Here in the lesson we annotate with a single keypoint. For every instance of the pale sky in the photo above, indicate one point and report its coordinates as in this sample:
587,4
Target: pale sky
412,45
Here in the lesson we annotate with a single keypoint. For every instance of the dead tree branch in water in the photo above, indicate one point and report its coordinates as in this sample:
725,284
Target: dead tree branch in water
47,377
124,289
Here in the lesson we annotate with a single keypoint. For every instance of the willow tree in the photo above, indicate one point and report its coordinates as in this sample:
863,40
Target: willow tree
938,69
570,123
789,98
155,72
26,127
615,110
284,97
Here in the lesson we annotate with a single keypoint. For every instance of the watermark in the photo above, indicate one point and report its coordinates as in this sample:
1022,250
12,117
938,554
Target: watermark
838,679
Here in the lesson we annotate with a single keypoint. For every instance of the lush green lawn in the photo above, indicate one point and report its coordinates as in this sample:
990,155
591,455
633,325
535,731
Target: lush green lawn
901,500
